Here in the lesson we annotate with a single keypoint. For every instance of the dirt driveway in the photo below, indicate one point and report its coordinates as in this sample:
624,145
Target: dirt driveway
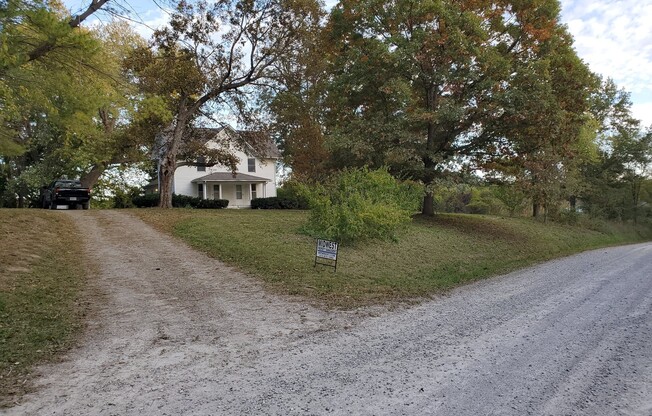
178,333
167,315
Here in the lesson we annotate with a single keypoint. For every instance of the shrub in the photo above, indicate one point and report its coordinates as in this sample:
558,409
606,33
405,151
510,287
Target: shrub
146,201
180,201
212,203
184,201
361,204
278,203
484,201
123,198
513,198
294,191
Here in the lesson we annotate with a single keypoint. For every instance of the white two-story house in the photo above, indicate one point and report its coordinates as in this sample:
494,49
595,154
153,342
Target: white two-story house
255,176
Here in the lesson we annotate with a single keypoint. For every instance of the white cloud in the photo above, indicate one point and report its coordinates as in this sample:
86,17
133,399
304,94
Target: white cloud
643,112
145,16
614,38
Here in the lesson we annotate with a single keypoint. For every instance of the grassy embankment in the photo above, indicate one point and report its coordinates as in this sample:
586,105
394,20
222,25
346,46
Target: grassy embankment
431,255
41,276
42,272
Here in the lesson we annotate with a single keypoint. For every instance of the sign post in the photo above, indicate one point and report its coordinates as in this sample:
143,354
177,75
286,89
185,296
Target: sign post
326,253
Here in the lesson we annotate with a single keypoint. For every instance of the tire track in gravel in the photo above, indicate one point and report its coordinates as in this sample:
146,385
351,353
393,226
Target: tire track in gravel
568,337
166,316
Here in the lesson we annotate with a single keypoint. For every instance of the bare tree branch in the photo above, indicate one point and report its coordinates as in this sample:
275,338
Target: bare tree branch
47,46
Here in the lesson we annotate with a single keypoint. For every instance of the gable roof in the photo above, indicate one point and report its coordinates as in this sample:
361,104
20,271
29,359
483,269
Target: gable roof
264,148
269,148
229,177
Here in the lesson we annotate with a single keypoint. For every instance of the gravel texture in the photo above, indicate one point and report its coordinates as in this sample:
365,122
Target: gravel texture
178,333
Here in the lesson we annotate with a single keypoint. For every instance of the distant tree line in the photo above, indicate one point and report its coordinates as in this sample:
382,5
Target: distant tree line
484,104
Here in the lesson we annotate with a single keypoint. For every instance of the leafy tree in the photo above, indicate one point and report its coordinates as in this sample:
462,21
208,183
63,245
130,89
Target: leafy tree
118,138
613,181
359,204
53,111
417,83
634,153
210,58
52,123
30,32
296,107
33,29
511,196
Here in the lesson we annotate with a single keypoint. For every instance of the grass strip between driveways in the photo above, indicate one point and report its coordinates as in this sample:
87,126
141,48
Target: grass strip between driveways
431,255
41,275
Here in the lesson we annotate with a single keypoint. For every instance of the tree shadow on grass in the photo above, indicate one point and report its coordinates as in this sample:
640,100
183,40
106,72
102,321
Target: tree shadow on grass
477,226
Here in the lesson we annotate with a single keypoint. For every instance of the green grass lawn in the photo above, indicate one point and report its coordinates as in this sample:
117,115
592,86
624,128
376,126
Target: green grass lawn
42,268
431,255
41,276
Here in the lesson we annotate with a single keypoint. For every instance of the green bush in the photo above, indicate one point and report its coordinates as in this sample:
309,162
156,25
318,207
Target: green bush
278,203
146,201
483,201
512,197
472,199
211,203
180,201
294,191
184,201
123,198
361,204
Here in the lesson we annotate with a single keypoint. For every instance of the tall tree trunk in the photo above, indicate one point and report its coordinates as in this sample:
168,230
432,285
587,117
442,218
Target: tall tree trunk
429,164
636,196
572,200
428,204
90,179
168,162
166,176
535,209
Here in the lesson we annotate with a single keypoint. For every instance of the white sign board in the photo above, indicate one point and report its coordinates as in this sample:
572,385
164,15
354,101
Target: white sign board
327,249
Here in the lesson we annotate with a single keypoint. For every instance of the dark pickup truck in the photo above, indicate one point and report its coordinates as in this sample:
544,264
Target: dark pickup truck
65,192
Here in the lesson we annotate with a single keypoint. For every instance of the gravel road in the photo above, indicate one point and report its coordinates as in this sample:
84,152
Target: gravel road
178,333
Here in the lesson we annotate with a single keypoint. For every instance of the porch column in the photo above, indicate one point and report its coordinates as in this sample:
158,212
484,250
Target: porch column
204,190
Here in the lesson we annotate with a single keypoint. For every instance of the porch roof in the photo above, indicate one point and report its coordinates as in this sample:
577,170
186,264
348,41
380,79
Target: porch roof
229,177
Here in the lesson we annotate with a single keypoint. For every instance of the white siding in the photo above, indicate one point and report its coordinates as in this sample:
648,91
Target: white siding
183,177
265,168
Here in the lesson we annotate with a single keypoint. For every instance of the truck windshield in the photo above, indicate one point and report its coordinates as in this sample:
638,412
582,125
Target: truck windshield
67,184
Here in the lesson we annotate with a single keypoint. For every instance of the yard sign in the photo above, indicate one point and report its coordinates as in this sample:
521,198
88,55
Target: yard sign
326,251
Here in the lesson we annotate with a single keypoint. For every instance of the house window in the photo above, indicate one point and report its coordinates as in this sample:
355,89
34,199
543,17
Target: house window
200,190
238,192
201,160
216,191
251,164
253,191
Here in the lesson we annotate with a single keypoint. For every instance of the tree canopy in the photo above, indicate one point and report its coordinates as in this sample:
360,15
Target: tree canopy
431,91
418,83
213,57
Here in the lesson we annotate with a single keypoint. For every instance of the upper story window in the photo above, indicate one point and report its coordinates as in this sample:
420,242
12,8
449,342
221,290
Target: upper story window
251,164
201,160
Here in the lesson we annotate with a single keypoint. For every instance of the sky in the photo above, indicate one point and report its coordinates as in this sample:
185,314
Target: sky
614,37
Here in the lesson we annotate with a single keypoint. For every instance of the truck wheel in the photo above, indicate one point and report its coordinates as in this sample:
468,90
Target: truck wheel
86,205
